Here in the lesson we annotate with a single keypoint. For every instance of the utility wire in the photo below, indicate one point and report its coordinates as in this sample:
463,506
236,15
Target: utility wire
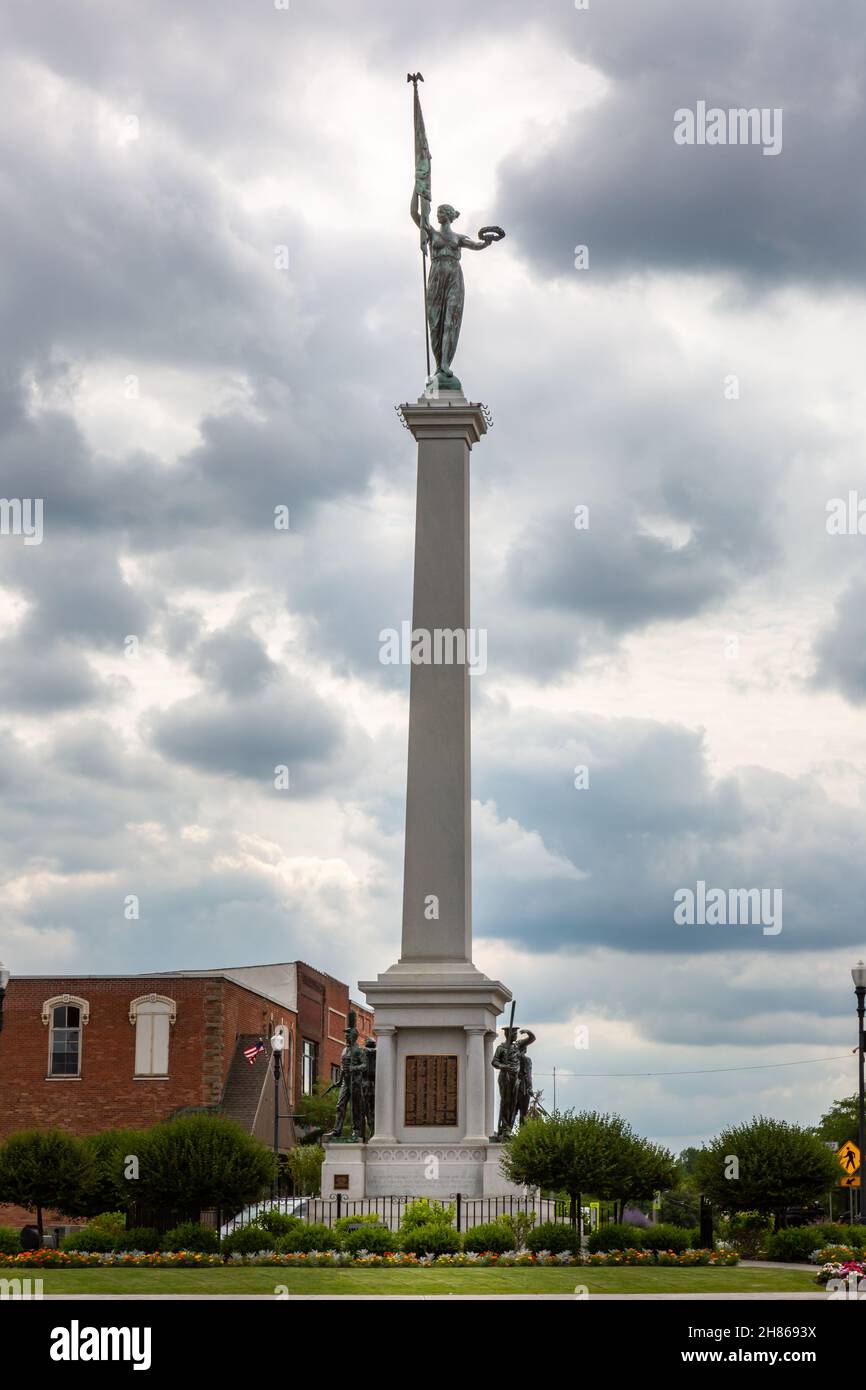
702,1071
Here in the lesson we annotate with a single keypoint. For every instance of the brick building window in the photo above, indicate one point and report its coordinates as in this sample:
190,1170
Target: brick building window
65,1016
152,1016
309,1066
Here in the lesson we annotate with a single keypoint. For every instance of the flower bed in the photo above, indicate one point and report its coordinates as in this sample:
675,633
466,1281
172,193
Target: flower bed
91,1259
139,1259
840,1269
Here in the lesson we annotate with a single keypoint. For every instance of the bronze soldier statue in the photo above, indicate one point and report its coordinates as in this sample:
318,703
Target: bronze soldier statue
506,1060
525,1094
353,1070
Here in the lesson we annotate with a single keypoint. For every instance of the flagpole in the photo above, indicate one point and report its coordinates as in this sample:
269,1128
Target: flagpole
426,319
415,78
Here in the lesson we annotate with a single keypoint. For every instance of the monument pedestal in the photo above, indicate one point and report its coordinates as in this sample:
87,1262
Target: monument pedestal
415,1170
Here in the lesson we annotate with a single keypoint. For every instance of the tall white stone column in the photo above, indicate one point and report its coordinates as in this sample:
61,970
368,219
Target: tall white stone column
437,876
475,1085
489,1049
386,1075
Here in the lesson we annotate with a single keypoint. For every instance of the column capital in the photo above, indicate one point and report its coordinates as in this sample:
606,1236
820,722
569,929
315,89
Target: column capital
438,417
475,1028
384,1031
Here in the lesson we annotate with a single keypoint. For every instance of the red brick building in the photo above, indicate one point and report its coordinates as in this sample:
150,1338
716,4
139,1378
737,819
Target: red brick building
92,1052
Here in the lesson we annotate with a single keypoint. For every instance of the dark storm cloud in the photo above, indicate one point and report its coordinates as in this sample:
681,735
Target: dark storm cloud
840,650
235,661
43,680
615,180
252,735
653,821
610,573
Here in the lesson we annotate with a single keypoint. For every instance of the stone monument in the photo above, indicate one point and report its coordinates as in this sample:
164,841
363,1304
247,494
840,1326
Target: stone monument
436,1013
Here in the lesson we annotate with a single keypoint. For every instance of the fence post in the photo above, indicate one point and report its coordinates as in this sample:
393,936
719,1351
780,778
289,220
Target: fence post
459,1209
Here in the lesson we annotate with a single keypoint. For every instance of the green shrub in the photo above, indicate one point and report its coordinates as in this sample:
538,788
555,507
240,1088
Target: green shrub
495,1236
836,1234
664,1237
348,1223
434,1239
746,1231
279,1223
146,1238
794,1243
376,1239
89,1239
247,1240
315,1236
616,1235
10,1241
426,1212
113,1223
553,1236
192,1235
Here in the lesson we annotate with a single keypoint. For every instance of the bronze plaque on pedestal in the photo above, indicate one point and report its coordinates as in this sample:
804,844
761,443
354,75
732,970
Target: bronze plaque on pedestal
431,1090
341,1182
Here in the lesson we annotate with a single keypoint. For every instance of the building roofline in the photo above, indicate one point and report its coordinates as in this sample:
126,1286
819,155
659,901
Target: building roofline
169,975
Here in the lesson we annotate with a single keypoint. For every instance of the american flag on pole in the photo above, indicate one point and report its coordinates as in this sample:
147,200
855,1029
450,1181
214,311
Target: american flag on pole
251,1053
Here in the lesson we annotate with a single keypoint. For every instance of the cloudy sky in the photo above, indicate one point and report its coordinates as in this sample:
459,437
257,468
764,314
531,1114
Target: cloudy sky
212,293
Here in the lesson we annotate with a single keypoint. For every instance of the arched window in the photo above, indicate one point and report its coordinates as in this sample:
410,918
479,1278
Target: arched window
152,1016
65,1016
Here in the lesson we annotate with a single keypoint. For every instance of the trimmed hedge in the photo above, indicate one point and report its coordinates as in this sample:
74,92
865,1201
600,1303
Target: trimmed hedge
622,1236
553,1236
832,1233
434,1239
315,1236
247,1240
192,1235
799,1242
90,1239
145,1238
495,1236
615,1236
374,1238
664,1237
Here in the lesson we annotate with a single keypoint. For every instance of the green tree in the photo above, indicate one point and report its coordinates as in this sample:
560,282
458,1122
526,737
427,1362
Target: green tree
304,1164
765,1166
841,1122
43,1168
681,1203
586,1154
318,1111
198,1161
106,1186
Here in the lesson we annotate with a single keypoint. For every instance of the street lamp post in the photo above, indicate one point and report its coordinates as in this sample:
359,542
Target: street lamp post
858,975
278,1042
4,980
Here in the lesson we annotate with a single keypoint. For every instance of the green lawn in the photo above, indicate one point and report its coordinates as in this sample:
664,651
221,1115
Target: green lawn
701,1279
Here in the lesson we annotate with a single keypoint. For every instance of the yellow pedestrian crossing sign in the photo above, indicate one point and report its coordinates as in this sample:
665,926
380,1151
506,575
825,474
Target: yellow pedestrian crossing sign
849,1157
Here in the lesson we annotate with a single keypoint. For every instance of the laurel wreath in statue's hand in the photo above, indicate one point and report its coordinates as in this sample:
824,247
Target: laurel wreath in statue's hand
490,234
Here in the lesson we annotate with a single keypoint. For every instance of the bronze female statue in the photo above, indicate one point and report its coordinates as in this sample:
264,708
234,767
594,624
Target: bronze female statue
445,292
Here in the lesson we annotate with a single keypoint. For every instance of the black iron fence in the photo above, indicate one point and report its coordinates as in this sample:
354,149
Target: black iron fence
468,1211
